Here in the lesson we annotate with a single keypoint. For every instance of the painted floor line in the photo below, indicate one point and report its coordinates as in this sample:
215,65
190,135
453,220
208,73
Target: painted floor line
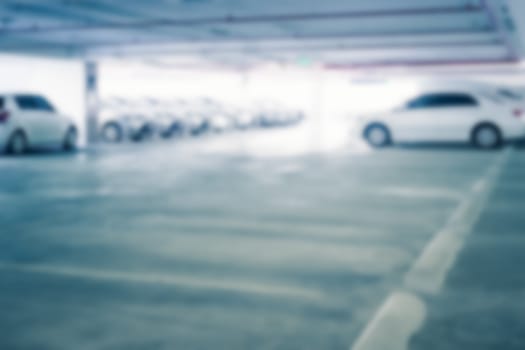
428,273
422,192
183,281
403,313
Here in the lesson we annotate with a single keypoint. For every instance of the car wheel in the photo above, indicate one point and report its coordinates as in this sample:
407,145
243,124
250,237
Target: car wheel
487,137
166,134
70,140
137,136
177,130
146,133
377,135
112,132
17,144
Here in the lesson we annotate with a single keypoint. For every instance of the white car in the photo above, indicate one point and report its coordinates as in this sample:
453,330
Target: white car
29,121
122,119
477,117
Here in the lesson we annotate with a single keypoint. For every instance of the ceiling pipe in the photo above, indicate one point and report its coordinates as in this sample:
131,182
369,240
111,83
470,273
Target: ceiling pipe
495,23
342,47
131,46
434,35
304,50
420,63
234,19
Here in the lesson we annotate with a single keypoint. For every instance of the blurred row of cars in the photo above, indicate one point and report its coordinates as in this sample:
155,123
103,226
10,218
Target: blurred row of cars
144,118
484,115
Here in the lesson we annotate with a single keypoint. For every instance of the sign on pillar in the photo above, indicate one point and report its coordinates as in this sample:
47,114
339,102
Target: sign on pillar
91,101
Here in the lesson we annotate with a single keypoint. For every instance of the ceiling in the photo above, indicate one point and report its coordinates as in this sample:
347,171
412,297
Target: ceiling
335,33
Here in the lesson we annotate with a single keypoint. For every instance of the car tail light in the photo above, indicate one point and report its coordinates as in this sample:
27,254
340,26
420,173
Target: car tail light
518,113
4,116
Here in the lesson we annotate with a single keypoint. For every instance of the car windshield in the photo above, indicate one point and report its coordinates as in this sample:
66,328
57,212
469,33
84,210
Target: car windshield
34,103
511,95
492,97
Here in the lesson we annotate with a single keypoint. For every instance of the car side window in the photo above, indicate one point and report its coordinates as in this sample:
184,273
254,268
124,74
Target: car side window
420,102
443,100
2,103
34,103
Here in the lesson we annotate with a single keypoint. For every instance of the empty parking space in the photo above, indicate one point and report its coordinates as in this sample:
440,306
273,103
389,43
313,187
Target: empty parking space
154,252
482,304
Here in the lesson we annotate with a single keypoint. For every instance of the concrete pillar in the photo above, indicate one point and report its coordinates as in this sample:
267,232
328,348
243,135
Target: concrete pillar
92,102
317,115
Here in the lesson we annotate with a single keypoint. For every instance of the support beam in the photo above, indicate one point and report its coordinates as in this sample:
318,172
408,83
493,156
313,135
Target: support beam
230,19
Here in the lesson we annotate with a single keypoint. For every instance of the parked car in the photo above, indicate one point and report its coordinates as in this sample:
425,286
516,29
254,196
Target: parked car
29,121
200,115
157,118
270,114
243,118
289,117
445,116
222,118
177,112
197,123
122,120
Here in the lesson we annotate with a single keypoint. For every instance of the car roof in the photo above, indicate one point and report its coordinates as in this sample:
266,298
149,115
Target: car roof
476,92
482,94
21,93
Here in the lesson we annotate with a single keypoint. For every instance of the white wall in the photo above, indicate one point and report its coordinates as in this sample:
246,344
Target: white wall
60,80
131,79
134,79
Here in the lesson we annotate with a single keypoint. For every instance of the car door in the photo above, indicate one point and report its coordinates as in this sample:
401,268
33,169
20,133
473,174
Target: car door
39,118
437,117
416,120
55,124
32,120
455,115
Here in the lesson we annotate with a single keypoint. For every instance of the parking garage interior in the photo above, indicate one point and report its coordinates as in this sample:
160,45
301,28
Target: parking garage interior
242,174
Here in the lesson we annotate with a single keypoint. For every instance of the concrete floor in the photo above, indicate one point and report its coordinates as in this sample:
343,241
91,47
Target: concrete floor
152,248
482,304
